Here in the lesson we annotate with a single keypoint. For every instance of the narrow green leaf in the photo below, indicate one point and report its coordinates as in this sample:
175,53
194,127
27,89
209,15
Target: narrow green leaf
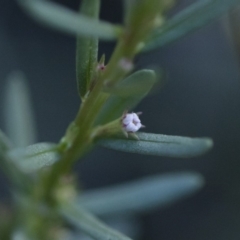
19,117
89,224
5,146
130,226
19,235
127,7
137,84
87,49
190,19
131,198
127,94
160,145
65,20
35,157
13,173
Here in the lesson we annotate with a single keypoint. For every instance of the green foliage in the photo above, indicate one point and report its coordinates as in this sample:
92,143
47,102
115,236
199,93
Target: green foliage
19,116
46,195
35,157
18,179
89,224
190,19
161,190
5,146
160,145
126,95
60,18
87,50
128,7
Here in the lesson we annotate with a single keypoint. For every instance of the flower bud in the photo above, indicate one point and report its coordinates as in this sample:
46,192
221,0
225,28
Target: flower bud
131,122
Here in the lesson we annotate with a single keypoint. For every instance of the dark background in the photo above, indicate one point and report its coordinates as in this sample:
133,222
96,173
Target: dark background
200,97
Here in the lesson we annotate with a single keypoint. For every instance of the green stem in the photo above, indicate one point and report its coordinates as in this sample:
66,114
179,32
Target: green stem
88,112
85,119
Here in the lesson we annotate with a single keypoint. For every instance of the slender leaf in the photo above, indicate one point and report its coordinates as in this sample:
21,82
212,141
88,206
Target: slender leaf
35,157
87,49
19,117
19,235
13,173
130,226
127,94
128,6
5,146
190,19
160,145
131,198
137,84
65,20
81,236
90,224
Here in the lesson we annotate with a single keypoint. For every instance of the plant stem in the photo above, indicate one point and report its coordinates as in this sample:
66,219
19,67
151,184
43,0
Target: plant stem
85,119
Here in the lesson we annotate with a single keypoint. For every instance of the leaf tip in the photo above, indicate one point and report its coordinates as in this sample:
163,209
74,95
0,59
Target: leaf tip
195,179
207,144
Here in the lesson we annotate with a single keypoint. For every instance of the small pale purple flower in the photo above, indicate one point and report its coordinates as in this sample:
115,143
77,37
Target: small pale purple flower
131,122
